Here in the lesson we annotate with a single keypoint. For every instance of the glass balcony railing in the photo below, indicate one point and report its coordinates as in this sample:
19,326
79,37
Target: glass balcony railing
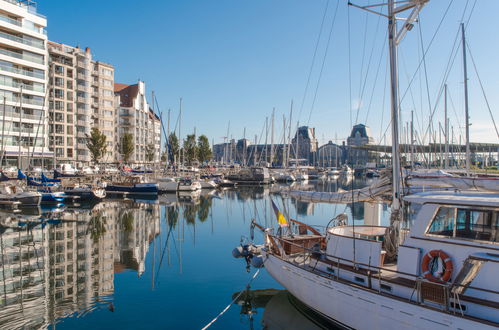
37,44
39,75
10,20
21,56
34,88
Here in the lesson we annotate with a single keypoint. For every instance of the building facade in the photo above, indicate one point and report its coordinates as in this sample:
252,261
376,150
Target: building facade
135,117
23,83
81,97
360,136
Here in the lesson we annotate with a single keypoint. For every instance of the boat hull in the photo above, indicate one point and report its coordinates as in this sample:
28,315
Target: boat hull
337,301
138,189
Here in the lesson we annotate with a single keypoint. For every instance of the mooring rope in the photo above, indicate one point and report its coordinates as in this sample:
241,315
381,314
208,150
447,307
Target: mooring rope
232,302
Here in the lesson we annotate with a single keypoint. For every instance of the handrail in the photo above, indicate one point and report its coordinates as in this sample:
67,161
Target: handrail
417,278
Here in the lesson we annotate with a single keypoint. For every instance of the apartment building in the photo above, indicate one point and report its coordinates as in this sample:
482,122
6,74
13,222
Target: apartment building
23,82
135,117
81,97
103,107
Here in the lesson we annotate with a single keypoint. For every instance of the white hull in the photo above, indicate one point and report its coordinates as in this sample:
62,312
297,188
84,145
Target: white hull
360,308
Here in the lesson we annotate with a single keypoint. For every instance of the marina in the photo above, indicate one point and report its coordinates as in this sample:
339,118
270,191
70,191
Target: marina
101,264
249,184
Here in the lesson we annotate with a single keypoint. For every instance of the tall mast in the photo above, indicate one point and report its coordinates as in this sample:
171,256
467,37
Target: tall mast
446,130
288,147
3,132
266,138
466,109
394,38
180,142
272,139
20,128
392,32
412,139
168,140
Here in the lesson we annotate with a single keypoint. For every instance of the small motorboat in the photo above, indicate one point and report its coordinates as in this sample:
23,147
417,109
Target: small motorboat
13,193
133,185
85,192
208,184
184,184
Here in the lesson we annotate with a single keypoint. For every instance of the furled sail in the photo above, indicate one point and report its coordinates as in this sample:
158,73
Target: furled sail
378,191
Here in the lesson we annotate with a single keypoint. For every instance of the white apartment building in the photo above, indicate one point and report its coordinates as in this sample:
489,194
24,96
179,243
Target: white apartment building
81,97
136,118
23,83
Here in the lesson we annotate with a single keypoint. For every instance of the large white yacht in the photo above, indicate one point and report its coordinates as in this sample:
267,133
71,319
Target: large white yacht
443,276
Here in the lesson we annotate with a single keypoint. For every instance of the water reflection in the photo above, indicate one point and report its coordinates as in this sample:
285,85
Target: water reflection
67,261
63,263
281,310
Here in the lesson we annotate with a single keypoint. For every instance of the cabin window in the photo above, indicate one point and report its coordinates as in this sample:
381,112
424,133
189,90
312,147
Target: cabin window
477,225
482,225
443,223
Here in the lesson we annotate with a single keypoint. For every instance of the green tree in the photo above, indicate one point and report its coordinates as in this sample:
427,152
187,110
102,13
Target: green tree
174,146
164,156
204,149
96,144
150,152
190,148
127,146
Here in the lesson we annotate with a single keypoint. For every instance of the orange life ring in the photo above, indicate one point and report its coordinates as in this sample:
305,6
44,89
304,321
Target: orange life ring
425,266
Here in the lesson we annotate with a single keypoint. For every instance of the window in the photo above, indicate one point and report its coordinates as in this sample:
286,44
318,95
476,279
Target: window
443,223
482,225
477,224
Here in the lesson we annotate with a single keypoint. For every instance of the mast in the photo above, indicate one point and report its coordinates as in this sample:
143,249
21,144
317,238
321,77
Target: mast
272,139
3,132
288,147
392,32
20,128
180,142
168,139
412,139
395,36
446,130
266,137
466,108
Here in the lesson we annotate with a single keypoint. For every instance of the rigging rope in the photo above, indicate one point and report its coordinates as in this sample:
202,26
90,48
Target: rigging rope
313,58
231,303
323,62
483,90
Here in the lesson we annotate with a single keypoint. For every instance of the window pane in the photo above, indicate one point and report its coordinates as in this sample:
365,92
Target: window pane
475,224
443,224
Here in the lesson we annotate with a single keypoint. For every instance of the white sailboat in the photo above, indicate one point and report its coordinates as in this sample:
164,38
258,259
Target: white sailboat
438,272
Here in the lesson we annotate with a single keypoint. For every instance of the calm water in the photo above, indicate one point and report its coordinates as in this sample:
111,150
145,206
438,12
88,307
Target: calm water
140,264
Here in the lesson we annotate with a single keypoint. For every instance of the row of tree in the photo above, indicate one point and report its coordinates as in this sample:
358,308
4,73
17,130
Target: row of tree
191,150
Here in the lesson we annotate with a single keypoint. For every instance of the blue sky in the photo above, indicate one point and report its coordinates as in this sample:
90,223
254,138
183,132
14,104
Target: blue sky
234,60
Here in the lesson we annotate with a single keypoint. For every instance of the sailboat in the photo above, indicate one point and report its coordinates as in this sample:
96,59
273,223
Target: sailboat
435,270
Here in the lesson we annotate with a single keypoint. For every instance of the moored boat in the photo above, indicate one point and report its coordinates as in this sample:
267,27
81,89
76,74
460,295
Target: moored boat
134,185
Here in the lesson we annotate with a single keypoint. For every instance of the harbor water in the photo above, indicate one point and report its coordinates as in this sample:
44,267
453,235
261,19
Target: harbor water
164,263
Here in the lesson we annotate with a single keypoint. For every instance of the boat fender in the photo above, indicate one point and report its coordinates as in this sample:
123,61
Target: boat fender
257,261
429,260
241,251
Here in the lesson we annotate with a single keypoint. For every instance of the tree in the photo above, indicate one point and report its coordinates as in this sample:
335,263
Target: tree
173,144
96,144
127,146
150,152
204,149
190,148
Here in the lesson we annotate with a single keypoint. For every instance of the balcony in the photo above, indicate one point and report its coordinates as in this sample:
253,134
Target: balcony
20,24
81,88
81,99
39,45
22,72
82,76
21,56
82,123
83,158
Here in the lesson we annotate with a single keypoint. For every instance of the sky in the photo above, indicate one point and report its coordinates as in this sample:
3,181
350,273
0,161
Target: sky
233,61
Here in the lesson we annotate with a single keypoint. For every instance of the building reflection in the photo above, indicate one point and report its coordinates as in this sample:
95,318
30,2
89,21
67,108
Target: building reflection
54,268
